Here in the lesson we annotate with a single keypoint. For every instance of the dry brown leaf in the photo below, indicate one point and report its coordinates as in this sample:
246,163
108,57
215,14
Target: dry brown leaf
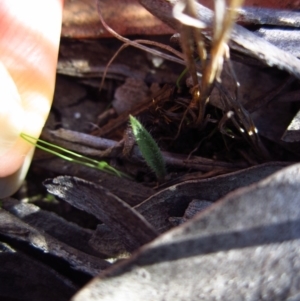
127,17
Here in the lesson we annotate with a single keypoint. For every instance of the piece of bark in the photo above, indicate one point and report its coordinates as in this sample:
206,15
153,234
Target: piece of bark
14,228
245,247
132,228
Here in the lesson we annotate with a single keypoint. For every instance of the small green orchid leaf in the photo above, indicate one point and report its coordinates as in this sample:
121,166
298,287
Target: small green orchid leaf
148,148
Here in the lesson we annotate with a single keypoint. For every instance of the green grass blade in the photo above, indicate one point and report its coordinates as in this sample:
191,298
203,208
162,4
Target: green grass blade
71,156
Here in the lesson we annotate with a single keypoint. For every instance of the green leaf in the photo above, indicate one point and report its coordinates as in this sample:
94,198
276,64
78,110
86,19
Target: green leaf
149,148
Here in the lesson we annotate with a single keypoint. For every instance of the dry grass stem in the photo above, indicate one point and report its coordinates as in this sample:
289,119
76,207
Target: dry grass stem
137,44
145,42
185,12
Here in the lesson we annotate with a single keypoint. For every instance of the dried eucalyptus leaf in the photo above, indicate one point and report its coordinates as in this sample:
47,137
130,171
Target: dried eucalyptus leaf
268,16
131,192
286,39
254,83
173,206
244,247
241,39
14,228
54,225
194,207
133,228
166,209
132,92
292,133
108,242
173,200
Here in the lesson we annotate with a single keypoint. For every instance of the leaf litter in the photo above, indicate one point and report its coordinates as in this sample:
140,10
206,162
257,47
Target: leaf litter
214,217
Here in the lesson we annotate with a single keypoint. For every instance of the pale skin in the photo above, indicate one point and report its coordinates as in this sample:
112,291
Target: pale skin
29,40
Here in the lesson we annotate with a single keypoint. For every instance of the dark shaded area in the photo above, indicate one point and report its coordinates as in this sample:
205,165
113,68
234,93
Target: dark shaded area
27,278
